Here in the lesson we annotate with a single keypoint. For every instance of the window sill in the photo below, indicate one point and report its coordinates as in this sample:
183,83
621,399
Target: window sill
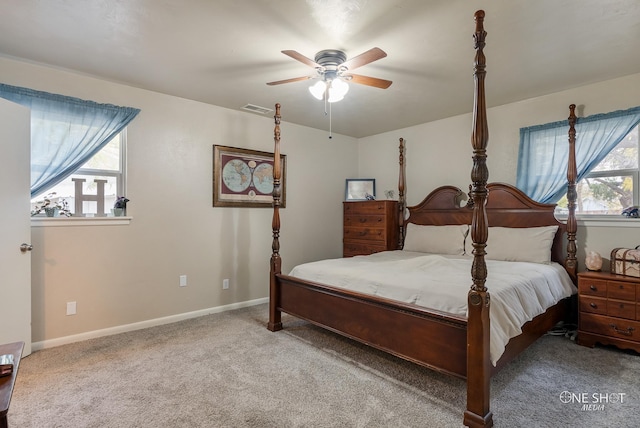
79,221
604,221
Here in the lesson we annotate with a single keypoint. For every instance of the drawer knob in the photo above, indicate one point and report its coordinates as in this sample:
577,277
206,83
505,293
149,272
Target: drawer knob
593,288
593,305
627,332
363,220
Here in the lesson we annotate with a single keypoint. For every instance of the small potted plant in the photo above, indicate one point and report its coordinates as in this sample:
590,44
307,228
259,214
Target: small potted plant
120,206
52,207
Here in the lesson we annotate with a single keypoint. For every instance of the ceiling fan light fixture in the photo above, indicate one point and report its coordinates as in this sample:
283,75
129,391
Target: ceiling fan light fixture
338,88
318,89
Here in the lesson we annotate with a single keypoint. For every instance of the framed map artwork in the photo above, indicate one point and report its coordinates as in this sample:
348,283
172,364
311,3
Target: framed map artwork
244,178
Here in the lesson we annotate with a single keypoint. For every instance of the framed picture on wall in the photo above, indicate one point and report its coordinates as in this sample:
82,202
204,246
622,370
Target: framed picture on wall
360,189
244,178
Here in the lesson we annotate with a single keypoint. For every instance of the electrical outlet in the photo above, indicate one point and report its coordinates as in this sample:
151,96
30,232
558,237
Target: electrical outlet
183,280
225,284
71,308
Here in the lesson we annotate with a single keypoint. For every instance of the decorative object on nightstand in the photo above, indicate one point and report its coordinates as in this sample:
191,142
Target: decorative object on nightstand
593,261
626,261
12,352
6,364
370,227
609,310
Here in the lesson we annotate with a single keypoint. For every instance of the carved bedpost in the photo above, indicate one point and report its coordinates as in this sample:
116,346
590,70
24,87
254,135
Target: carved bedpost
478,413
401,199
275,316
571,263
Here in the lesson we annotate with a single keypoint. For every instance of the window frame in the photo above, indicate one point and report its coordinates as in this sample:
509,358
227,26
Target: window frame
121,186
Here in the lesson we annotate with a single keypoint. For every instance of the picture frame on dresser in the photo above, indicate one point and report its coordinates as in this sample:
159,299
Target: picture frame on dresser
357,189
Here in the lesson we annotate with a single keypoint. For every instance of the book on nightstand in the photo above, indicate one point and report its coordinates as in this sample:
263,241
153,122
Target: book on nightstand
6,364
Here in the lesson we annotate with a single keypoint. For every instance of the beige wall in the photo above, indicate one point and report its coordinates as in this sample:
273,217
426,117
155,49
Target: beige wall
120,275
440,152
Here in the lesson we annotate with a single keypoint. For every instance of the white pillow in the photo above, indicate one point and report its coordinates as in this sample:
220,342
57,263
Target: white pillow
521,244
435,239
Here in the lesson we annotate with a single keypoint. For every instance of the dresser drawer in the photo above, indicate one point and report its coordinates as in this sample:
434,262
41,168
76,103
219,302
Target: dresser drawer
350,249
364,220
592,287
621,290
609,326
594,305
621,308
367,233
370,207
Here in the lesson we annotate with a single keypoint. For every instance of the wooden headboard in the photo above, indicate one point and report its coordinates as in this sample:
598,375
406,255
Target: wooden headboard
507,206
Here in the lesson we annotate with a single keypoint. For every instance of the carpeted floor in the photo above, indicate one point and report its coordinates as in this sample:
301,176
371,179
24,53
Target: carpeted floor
228,370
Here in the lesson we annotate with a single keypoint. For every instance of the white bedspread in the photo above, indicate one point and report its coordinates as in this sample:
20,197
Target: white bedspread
519,291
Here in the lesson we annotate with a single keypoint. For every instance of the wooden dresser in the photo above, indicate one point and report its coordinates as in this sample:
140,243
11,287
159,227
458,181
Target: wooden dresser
370,227
609,310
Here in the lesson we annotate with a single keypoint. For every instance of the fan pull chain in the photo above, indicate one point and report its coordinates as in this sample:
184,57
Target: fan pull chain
327,112
330,136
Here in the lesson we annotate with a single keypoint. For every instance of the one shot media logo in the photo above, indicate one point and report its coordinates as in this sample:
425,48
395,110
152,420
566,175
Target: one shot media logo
593,401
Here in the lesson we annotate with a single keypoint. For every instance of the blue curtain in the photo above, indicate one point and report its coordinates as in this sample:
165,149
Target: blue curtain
65,132
544,151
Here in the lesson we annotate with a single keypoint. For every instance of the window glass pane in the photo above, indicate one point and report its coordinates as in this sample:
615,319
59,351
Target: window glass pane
623,156
108,158
604,195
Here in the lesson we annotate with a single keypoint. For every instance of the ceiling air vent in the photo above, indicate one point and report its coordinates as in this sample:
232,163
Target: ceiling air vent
257,109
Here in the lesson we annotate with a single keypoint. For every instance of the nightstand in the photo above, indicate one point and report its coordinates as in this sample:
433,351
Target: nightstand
609,310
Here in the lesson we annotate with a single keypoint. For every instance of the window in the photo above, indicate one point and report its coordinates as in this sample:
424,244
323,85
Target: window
77,150
612,186
108,165
607,161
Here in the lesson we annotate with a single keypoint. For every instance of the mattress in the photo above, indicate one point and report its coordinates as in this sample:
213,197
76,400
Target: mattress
519,291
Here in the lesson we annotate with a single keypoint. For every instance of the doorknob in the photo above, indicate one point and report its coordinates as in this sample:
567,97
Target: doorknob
26,247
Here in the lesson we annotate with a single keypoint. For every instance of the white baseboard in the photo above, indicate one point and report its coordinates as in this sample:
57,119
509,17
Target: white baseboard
50,343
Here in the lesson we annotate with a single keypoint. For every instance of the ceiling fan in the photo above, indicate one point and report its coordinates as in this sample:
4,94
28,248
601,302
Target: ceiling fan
333,70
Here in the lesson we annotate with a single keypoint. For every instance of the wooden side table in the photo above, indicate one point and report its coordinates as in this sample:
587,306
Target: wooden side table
7,382
609,310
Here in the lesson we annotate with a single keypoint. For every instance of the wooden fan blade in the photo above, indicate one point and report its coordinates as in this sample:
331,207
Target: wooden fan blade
371,55
369,81
303,59
295,79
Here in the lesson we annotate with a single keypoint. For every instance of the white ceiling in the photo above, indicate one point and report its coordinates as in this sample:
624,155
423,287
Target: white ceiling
223,52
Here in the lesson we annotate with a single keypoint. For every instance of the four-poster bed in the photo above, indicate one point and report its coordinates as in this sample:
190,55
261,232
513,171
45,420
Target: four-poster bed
451,343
